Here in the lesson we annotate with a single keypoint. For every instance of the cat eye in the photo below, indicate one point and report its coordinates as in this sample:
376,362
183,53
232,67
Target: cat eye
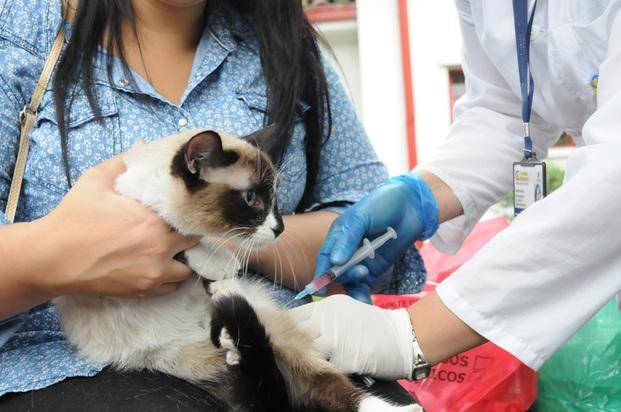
250,197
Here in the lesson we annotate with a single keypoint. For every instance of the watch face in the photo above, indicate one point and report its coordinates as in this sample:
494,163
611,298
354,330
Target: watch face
421,372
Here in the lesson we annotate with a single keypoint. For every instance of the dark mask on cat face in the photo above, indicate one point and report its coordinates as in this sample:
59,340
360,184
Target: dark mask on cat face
229,186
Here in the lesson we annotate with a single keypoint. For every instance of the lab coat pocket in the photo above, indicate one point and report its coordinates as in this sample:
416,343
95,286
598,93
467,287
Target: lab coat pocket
91,139
577,52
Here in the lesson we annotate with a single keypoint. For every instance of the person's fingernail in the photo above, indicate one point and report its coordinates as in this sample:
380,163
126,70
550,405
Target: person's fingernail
338,257
360,272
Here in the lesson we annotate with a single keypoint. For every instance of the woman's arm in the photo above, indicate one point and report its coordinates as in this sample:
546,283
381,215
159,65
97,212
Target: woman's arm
22,255
94,242
291,260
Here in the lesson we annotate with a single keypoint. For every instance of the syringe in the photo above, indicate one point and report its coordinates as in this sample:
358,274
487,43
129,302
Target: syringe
367,250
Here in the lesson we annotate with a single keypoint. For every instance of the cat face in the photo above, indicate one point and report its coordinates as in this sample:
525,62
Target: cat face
230,187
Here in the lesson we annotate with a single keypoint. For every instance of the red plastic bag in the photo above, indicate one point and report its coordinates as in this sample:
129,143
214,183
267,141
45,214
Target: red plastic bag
440,266
484,379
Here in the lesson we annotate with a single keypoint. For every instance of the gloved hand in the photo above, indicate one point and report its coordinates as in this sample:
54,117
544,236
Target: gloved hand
406,203
359,338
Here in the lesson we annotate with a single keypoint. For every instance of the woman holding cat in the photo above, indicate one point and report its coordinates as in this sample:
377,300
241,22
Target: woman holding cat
134,71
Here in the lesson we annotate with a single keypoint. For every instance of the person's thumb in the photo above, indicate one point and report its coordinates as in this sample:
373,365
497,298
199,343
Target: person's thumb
355,227
110,169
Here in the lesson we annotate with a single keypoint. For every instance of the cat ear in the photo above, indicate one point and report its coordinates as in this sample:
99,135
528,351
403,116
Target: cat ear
204,150
265,139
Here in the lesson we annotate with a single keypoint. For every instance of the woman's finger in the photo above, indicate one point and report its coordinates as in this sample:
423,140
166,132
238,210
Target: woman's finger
360,292
180,243
176,272
356,274
112,167
323,262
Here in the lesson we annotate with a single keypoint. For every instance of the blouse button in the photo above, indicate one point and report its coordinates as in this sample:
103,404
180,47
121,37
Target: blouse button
182,122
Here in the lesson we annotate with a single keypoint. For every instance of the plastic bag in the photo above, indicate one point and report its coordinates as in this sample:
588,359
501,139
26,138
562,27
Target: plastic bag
484,379
585,373
439,266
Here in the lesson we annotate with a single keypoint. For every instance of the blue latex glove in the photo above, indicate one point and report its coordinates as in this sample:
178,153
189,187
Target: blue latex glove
406,203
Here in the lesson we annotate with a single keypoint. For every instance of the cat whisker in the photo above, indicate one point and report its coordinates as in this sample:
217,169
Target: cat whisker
245,256
249,255
300,247
238,255
276,257
291,267
282,270
219,243
283,166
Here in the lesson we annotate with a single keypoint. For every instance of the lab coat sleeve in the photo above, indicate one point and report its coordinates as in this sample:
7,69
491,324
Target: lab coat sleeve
476,159
534,285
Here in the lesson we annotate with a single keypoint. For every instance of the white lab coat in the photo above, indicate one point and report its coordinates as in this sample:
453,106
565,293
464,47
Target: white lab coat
537,282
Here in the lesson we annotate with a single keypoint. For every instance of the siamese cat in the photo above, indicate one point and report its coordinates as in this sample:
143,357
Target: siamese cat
219,331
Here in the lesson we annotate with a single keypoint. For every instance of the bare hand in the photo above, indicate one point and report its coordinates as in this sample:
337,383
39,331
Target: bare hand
107,244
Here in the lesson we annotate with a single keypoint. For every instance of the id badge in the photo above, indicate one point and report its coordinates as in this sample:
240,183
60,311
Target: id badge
529,184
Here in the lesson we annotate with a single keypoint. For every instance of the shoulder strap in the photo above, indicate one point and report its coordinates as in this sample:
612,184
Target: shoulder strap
28,117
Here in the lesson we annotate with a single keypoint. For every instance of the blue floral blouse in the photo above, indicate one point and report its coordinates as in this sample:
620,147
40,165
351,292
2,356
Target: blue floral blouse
226,91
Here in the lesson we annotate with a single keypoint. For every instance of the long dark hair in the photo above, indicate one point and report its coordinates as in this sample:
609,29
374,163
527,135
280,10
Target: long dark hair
290,59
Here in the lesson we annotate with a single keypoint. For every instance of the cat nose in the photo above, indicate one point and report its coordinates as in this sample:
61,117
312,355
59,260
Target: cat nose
279,228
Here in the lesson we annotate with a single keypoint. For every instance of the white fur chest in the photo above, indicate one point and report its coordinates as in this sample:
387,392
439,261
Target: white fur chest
128,333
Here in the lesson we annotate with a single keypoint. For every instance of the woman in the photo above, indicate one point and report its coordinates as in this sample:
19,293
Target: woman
134,71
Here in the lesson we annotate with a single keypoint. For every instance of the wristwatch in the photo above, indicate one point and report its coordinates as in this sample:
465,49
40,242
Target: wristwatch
420,367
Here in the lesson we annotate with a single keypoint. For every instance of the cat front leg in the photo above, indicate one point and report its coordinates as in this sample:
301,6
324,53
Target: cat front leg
212,261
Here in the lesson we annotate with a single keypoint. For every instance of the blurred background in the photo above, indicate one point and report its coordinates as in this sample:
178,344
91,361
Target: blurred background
400,61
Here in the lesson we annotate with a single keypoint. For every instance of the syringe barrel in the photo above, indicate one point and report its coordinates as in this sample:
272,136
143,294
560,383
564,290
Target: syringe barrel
367,249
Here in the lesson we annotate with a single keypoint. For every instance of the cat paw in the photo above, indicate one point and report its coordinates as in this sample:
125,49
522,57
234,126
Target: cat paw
375,404
222,288
233,357
212,261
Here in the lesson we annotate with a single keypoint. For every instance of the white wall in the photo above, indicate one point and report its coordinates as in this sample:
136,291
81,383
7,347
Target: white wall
342,36
382,81
435,42
369,52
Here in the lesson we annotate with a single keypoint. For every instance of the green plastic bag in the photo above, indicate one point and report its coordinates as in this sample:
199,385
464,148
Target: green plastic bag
585,373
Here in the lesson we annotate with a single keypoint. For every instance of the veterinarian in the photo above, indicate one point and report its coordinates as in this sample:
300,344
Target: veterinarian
533,286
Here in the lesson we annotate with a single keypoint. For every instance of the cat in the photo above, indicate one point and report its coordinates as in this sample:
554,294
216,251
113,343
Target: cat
219,331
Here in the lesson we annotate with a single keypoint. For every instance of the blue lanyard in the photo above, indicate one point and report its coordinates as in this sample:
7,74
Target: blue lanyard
523,28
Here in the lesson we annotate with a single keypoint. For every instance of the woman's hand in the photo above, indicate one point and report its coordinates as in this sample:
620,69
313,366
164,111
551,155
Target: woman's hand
106,244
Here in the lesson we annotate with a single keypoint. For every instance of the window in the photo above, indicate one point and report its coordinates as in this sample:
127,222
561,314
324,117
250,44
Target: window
457,86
